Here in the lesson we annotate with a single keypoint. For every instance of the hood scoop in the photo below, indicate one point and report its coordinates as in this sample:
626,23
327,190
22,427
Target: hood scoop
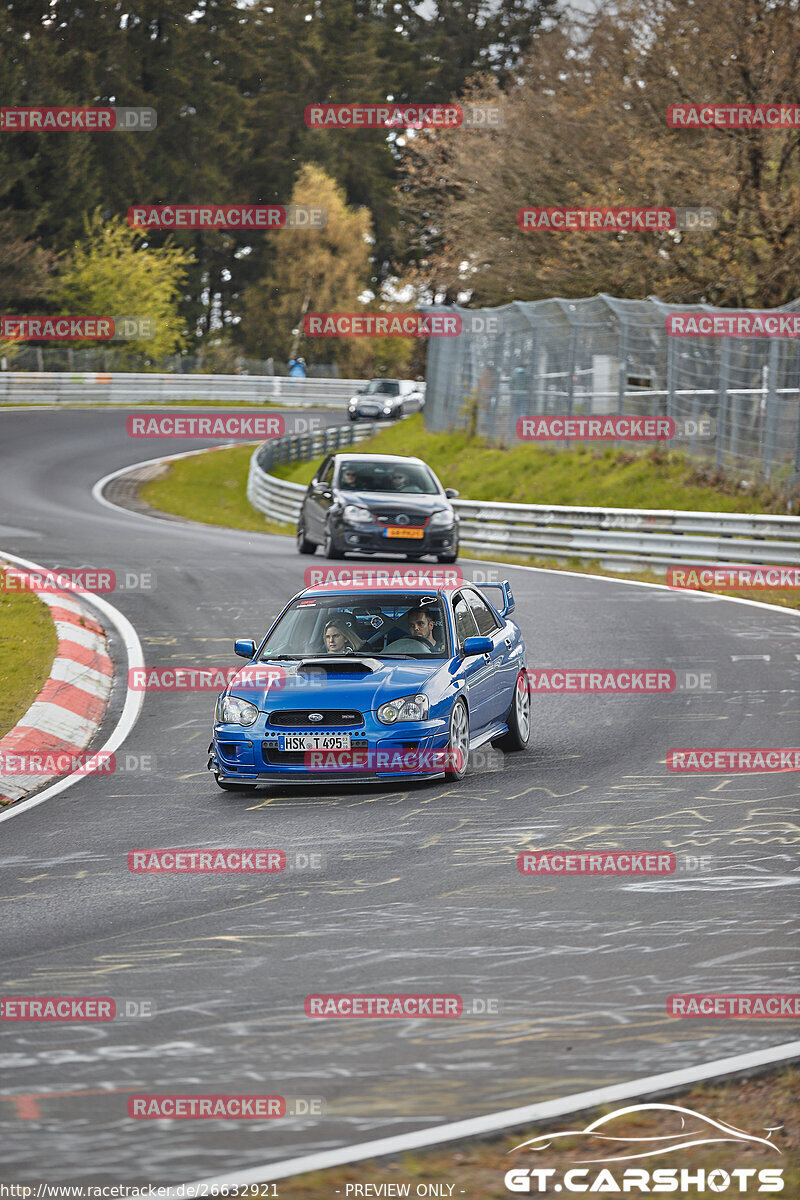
339,665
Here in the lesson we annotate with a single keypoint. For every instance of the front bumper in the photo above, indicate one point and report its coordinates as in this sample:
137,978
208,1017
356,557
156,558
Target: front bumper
251,755
371,540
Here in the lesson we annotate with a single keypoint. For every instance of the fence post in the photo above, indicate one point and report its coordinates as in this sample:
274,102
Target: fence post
722,403
771,416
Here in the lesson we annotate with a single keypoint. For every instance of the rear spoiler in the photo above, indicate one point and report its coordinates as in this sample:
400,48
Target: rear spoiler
506,607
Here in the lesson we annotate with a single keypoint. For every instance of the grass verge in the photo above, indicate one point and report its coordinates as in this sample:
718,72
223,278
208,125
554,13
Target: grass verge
28,644
212,488
475,1170
527,473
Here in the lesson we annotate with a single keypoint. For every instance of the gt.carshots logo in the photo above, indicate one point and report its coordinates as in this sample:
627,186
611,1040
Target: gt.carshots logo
646,1131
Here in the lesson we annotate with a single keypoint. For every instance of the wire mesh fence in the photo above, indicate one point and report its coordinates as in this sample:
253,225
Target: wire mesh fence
735,400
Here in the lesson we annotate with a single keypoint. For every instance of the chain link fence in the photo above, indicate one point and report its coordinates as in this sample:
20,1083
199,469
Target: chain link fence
735,400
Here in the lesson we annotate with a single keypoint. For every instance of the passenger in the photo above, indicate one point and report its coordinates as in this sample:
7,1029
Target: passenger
349,479
339,638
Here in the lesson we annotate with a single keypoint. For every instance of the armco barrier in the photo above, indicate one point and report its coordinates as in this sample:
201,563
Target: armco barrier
63,387
617,537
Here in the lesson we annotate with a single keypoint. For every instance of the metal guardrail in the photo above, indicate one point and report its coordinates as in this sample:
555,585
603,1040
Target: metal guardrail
616,537
64,387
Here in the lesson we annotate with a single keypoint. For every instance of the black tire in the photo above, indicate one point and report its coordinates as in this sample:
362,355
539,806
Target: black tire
447,558
456,741
519,717
304,546
329,548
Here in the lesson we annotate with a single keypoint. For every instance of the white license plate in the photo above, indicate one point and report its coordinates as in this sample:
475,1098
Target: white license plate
314,741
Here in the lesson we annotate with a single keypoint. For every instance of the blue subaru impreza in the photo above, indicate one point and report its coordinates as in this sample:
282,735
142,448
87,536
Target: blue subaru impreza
369,684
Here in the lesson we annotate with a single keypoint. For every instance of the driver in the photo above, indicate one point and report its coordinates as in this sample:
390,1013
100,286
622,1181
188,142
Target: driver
402,482
339,639
421,624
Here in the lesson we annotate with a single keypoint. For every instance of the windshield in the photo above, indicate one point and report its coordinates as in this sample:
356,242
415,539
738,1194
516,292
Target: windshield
382,387
365,476
376,626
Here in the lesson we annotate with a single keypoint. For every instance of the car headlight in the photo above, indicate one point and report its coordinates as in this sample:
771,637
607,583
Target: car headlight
387,409
357,515
407,708
232,710
443,517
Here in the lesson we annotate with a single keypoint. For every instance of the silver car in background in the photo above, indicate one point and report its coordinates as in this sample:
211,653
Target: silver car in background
387,399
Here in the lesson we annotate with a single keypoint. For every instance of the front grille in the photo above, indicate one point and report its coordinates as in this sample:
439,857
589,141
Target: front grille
413,520
286,758
331,717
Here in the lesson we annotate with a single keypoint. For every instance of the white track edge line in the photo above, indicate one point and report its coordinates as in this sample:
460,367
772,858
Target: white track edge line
99,488
130,709
498,1121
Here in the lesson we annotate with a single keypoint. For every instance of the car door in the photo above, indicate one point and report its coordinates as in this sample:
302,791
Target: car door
319,498
503,660
478,671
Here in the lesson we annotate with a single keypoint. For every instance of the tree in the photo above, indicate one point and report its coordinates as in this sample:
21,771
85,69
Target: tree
108,273
586,125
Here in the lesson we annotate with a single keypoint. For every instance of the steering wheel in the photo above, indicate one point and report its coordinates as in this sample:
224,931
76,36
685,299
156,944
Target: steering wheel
411,637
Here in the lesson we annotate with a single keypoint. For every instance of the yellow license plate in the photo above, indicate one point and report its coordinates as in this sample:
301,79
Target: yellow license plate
398,531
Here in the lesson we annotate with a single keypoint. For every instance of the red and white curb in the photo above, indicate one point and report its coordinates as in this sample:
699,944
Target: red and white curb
85,675
66,715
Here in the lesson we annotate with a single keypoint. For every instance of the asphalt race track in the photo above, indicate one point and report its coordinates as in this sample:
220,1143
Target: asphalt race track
418,889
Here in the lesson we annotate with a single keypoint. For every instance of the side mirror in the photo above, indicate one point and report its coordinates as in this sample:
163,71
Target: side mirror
477,645
451,493
244,647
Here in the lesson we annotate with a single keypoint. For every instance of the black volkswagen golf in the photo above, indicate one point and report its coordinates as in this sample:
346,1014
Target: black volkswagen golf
378,504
